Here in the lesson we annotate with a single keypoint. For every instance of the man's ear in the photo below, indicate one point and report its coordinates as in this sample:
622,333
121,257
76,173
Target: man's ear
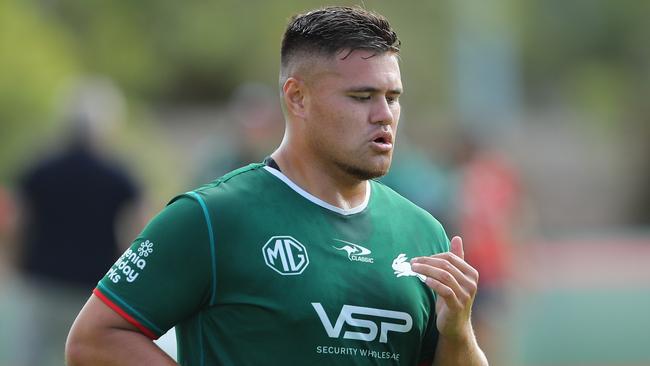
293,93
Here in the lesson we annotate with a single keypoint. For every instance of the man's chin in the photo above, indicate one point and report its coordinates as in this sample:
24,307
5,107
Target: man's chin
366,173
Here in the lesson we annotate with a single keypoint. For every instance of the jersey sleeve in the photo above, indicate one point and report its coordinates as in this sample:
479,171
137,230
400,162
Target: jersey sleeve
165,276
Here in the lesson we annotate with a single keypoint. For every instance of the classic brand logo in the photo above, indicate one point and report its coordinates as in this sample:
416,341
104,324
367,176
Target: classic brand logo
356,252
285,255
403,322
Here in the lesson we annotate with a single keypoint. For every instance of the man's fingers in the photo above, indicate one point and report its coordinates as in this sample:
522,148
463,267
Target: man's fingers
445,276
455,260
457,246
442,270
445,292
432,264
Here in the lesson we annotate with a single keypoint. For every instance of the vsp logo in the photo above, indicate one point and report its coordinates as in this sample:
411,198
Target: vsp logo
403,323
285,255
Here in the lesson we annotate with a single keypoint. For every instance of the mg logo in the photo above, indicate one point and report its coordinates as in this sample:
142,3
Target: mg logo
384,321
285,255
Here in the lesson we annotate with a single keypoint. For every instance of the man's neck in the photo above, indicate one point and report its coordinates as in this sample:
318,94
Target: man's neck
327,183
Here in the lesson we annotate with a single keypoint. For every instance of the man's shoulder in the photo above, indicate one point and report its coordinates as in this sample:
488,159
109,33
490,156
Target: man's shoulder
245,175
240,183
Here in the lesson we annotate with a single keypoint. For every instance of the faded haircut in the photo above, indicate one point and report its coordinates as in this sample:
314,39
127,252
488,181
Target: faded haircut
330,30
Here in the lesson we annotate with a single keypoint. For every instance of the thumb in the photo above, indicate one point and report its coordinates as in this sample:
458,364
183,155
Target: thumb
457,246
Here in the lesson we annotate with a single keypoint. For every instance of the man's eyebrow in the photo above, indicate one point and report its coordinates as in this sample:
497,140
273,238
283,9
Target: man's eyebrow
370,89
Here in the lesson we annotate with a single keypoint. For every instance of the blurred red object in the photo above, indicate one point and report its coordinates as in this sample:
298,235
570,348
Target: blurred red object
7,212
489,201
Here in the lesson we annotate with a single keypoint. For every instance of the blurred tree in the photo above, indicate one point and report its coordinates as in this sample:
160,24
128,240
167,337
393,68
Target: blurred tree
590,54
37,57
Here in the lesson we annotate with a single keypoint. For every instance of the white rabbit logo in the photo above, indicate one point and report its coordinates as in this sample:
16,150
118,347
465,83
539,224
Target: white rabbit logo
402,267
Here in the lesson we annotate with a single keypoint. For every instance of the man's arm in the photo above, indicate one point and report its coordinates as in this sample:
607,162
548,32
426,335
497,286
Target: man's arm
100,336
455,283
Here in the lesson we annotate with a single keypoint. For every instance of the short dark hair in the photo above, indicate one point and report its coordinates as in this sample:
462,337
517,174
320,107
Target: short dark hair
329,30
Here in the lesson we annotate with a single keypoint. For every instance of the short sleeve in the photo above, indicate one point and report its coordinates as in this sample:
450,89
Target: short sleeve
165,276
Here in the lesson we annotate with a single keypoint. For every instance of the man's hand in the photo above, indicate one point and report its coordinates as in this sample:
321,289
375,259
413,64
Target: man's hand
455,283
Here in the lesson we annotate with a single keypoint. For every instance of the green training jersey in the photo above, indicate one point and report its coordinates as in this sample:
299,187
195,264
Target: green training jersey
253,270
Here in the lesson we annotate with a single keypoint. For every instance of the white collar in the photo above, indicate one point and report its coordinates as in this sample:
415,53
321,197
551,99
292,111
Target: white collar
317,200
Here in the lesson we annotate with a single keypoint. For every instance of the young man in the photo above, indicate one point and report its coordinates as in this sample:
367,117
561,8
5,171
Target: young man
303,259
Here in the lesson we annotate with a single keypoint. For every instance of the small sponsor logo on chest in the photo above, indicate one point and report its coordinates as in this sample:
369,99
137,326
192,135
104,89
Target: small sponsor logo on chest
285,255
356,252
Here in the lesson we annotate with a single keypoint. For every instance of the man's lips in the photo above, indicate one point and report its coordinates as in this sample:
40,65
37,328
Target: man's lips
382,141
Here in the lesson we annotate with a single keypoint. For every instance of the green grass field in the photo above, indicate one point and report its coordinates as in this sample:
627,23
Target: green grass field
581,304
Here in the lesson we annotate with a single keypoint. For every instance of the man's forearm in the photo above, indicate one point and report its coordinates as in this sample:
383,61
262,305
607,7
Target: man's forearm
463,352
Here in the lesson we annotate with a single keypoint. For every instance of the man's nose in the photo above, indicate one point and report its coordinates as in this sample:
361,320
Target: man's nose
382,112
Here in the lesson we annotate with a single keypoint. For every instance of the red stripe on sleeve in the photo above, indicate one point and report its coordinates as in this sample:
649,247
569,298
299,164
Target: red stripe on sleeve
124,315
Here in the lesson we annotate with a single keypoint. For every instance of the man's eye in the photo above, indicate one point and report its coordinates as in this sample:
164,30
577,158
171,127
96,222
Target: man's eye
392,99
360,97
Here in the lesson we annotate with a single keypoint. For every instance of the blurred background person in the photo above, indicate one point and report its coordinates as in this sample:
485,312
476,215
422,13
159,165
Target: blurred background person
488,212
73,202
488,206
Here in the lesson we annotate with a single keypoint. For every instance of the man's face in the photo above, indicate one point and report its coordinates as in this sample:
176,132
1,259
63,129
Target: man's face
352,110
